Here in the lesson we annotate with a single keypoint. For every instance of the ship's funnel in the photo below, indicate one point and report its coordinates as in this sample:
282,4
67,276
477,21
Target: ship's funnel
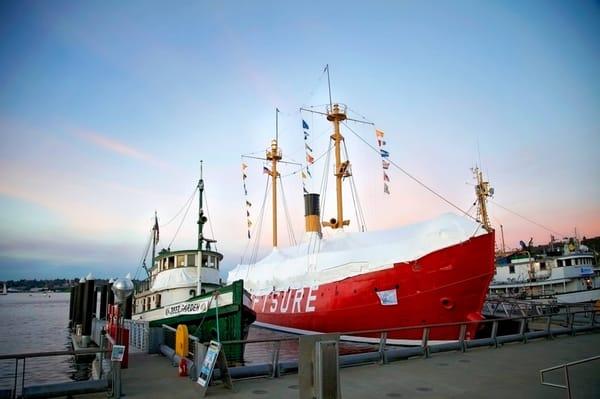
312,213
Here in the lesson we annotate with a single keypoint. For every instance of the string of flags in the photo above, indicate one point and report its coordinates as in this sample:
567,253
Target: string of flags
310,159
384,160
248,203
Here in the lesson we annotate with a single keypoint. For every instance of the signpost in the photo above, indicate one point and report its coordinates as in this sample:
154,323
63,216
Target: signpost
214,355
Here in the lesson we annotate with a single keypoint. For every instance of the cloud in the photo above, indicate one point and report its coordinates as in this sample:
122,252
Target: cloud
118,147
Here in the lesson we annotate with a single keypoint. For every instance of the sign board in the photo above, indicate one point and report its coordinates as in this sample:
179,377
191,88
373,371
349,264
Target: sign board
118,351
208,364
199,306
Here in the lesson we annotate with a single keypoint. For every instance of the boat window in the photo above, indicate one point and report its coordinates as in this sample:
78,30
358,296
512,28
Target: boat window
191,260
511,269
568,262
542,265
158,300
180,260
559,263
171,262
593,261
192,293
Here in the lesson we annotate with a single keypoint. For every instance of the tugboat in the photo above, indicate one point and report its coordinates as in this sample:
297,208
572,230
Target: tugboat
184,287
437,271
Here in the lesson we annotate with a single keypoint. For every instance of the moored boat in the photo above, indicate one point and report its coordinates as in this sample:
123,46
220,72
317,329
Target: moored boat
433,272
184,287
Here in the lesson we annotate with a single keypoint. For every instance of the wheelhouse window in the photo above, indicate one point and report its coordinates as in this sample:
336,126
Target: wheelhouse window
511,269
191,260
568,262
192,293
157,300
180,260
559,263
542,265
171,262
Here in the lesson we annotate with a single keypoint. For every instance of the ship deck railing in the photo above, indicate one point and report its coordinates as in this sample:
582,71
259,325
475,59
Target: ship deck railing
21,390
565,367
491,333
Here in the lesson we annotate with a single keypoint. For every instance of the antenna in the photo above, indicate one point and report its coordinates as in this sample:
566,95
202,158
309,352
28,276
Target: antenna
329,86
277,124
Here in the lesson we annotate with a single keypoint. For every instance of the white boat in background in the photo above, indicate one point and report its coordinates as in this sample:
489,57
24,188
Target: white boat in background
4,291
565,272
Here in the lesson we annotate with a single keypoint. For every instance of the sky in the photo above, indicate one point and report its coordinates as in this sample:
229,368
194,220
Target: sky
107,108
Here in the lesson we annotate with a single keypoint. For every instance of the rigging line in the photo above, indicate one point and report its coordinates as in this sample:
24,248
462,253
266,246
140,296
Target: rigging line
359,114
182,208
210,225
180,224
355,198
144,255
317,159
414,178
312,92
258,229
324,181
291,235
529,220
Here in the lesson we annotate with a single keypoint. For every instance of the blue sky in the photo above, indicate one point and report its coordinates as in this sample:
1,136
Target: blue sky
106,109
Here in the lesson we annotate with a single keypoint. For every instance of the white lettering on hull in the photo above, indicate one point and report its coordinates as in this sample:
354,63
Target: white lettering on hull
280,302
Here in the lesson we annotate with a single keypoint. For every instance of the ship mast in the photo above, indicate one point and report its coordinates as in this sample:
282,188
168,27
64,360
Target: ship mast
483,190
201,221
274,155
337,114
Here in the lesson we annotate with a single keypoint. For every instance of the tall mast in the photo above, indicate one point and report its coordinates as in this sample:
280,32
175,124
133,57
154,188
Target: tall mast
274,155
337,114
483,190
201,220
155,237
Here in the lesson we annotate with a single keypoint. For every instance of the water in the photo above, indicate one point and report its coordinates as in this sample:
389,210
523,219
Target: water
37,323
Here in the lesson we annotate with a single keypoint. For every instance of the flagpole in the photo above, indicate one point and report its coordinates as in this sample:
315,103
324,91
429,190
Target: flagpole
154,239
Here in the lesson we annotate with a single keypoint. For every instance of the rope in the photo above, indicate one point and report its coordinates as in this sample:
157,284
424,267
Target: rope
210,225
144,255
360,218
290,230
181,223
179,211
529,220
431,190
324,180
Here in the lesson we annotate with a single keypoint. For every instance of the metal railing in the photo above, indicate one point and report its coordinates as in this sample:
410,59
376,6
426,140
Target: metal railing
30,355
565,368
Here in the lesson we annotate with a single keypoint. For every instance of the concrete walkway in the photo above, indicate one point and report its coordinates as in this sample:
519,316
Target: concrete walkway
508,372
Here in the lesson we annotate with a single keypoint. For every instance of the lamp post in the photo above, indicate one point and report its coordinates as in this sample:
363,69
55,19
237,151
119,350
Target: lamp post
122,288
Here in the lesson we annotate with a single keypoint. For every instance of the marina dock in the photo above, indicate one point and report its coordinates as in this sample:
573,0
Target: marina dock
511,371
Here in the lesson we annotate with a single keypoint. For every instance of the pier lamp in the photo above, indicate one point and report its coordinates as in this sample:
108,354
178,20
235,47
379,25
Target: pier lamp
122,288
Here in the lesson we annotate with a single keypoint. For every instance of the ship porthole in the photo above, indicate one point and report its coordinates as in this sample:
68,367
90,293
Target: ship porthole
447,303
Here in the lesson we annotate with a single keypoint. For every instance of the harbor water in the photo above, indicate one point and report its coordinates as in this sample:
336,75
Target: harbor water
37,322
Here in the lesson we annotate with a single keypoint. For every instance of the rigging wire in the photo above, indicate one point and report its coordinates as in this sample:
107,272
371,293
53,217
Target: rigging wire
258,234
290,230
144,255
186,204
360,218
182,220
210,225
529,220
431,190
324,181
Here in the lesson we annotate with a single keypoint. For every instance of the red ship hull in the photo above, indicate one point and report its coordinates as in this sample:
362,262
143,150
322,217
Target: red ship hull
445,286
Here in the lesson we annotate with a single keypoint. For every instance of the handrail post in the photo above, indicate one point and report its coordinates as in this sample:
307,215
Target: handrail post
571,320
567,381
548,328
382,341
522,329
495,333
23,377
462,336
425,342
14,393
275,361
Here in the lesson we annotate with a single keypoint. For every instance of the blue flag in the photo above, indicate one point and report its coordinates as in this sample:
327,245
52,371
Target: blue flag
304,124
384,153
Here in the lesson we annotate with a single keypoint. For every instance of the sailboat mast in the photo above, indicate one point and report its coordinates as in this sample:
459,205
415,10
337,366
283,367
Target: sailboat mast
274,155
